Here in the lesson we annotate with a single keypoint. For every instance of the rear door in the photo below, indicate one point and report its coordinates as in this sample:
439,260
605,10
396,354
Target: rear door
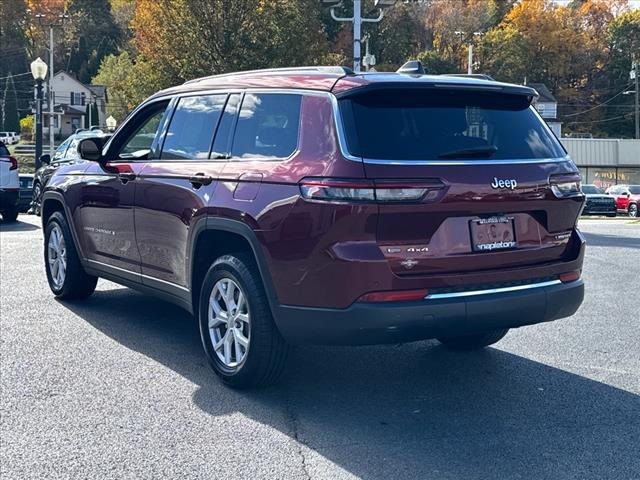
462,178
174,190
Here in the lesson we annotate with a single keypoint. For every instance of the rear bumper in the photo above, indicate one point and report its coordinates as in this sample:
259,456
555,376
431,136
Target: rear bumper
372,323
8,198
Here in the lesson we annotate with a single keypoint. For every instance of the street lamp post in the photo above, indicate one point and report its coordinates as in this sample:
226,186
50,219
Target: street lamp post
39,72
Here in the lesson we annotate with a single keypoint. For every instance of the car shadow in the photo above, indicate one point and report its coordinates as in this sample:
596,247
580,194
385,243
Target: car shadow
17,226
602,240
403,411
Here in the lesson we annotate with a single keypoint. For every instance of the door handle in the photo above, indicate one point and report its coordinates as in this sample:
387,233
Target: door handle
126,176
200,179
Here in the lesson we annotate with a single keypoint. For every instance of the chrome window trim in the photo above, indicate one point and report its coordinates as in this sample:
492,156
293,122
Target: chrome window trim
489,291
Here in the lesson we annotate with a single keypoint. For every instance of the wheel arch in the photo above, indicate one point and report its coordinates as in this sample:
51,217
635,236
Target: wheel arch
53,201
213,237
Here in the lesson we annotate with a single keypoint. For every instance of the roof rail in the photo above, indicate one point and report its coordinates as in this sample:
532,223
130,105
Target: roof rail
479,76
339,70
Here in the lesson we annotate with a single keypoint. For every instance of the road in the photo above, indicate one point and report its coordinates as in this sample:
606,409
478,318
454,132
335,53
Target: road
118,387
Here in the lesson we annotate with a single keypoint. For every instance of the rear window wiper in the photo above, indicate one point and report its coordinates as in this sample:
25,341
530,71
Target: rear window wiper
477,152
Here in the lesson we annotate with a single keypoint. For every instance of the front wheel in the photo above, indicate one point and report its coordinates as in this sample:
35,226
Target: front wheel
67,279
475,341
36,202
633,210
240,338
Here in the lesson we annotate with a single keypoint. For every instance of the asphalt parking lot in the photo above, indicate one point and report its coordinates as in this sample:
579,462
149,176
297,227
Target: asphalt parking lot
118,387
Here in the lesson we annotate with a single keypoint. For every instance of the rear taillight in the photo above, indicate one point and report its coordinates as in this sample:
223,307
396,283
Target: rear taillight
384,191
394,296
14,163
564,185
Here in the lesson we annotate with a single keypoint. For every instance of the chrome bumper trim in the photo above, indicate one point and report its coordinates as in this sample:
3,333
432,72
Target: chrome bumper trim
473,293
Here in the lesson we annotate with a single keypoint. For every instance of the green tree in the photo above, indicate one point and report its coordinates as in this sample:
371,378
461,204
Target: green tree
435,63
10,116
92,34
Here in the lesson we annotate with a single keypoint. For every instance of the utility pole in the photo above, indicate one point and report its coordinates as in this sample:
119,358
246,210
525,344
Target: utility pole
469,37
636,72
61,18
357,21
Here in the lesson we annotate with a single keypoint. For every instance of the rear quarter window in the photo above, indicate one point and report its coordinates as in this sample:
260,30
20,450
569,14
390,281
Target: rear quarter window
267,126
421,124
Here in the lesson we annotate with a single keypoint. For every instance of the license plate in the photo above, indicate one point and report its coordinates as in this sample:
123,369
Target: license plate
493,233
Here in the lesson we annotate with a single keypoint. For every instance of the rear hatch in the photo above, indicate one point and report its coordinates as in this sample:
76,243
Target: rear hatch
476,179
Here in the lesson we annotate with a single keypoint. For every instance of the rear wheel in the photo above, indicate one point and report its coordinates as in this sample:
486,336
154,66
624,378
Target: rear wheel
475,341
237,329
633,210
67,279
10,214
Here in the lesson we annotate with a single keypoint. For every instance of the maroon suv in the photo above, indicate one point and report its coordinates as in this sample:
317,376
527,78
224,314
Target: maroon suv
318,206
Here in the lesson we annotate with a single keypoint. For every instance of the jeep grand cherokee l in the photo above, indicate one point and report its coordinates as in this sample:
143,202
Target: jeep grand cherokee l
318,206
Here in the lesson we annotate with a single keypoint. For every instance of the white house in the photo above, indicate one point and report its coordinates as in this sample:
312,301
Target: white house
547,107
70,99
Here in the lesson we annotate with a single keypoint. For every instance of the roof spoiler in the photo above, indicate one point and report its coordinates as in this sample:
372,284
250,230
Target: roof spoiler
412,67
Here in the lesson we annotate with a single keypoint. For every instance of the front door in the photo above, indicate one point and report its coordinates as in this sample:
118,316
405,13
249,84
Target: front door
106,226
174,190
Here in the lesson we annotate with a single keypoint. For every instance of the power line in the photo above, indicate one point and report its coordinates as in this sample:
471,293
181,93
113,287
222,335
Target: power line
599,105
620,117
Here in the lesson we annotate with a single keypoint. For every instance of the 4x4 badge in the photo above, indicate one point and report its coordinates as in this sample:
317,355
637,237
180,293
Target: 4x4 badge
409,263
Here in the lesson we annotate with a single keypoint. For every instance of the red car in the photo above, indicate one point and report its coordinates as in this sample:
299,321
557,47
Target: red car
320,206
627,198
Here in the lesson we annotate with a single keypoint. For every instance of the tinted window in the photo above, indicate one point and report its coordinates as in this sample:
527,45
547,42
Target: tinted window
62,148
3,150
590,189
223,134
411,124
192,127
635,189
148,123
267,126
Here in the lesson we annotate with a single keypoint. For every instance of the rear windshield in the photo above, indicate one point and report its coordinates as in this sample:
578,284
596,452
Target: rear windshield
590,189
412,124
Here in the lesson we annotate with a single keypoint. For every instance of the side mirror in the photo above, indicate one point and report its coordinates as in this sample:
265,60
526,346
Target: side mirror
90,149
45,159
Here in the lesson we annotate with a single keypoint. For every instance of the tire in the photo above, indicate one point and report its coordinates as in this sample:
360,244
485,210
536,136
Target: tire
36,202
74,283
475,341
633,210
264,358
10,215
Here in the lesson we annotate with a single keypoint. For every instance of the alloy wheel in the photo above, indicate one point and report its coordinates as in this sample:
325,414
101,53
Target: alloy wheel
633,211
57,257
229,322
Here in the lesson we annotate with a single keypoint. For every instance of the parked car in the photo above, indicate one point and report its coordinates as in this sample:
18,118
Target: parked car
318,206
67,152
25,194
9,138
9,185
597,202
627,198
